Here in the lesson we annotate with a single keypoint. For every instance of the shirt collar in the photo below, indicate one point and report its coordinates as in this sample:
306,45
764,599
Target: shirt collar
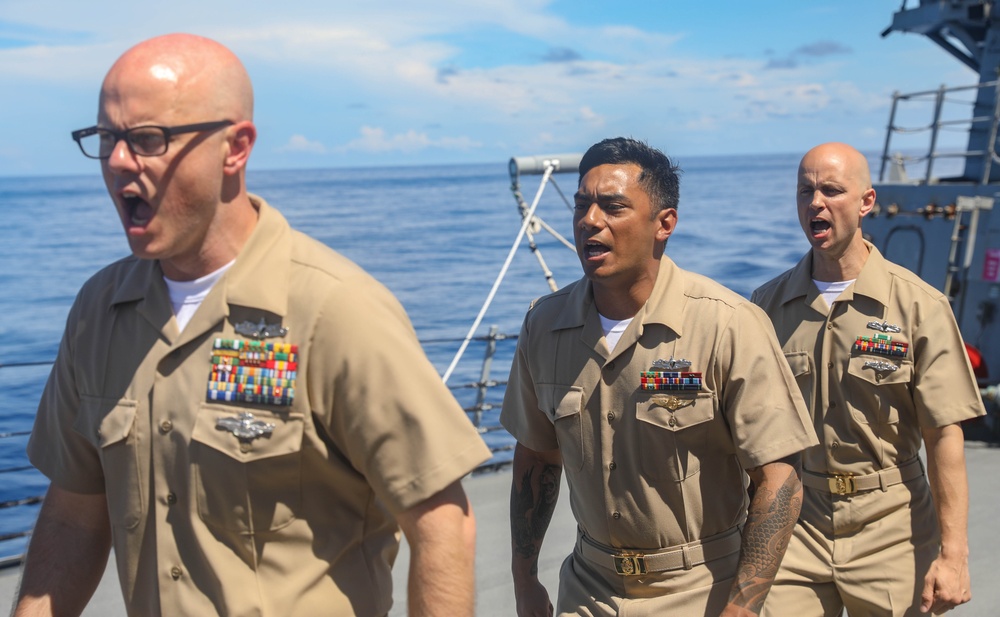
665,304
873,281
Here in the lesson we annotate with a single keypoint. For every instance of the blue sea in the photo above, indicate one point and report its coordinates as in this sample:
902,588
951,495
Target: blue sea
436,236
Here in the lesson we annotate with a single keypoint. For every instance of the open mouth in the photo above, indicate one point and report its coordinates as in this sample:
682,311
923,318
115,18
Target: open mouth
137,210
818,226
594,249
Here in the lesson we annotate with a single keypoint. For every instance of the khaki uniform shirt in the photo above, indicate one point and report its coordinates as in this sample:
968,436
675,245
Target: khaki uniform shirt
640,474
869,415
296,522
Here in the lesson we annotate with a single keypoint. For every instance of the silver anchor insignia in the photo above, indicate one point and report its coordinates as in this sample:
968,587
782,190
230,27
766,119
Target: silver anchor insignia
883,326
671,364
260,330
880,366
245,427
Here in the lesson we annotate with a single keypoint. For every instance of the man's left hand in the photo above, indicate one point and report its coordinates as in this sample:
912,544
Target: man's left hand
946,585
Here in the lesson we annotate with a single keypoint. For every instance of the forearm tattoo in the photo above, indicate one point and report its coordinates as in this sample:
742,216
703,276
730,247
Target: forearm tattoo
770,520
531,509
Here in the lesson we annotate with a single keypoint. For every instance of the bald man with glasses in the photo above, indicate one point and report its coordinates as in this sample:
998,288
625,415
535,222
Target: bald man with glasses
218,411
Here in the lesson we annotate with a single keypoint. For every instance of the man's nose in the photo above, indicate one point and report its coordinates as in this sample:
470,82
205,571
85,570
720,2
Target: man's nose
592,216
817,200
122,158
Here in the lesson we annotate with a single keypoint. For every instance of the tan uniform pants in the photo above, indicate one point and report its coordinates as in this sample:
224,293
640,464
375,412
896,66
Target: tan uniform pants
867,552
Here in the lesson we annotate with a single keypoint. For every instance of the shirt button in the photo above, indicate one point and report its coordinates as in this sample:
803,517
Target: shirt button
672,421
829,326
833,404
171,498
611,366
878,377
613,466
175,573
166,426
616,515
835,445
611,416
245,447
829,365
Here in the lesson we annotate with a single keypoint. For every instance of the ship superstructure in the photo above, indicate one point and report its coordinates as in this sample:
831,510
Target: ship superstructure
944,227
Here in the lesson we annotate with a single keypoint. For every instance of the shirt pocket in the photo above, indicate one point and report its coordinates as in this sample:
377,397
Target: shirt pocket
109,424
878,396
674,430
801,364
563,405
247,485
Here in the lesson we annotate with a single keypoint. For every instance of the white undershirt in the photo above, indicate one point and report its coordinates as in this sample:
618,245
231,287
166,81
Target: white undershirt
186,296
613,330
832,291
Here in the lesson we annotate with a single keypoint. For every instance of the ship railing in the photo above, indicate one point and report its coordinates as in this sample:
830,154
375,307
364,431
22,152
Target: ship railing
475,411
531,223
893,163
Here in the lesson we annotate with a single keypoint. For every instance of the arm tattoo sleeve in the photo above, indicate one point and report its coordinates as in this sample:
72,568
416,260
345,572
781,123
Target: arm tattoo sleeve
770,520
531,508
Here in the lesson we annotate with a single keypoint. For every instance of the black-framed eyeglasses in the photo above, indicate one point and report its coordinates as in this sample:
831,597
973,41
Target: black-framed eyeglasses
98,143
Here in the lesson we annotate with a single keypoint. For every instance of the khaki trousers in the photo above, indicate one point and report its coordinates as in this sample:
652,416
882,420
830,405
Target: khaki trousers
867,553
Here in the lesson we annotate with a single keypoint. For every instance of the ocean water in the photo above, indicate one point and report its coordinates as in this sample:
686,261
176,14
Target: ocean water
436,236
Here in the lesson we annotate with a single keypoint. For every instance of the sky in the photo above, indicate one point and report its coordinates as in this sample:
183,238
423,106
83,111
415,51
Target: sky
412,82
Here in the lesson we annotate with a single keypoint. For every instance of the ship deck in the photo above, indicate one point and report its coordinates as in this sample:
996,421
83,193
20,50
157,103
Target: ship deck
489,494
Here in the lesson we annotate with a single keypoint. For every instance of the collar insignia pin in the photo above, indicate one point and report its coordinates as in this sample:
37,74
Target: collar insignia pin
245,427
260,330
671,364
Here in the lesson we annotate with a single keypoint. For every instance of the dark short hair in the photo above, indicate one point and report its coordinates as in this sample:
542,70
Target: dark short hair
660,177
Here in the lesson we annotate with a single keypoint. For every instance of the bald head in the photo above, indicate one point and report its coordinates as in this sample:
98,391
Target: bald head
834,194
852,164
191,76
186,206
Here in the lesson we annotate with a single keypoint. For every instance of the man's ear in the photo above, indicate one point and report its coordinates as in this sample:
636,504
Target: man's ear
867,202
667,218
240,140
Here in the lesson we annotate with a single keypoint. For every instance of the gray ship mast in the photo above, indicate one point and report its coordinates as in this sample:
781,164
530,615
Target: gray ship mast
969,30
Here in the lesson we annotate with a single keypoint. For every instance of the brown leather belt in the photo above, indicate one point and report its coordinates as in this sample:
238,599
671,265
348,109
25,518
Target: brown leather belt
635,562
848,484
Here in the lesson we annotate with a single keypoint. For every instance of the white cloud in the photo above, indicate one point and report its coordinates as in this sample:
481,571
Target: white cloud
375,139
76,65
700,124
299,143
590,117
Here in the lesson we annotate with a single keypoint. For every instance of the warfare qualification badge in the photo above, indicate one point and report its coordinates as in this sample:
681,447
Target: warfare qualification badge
260,330
880,367
670,402
671,364
883,326
245,427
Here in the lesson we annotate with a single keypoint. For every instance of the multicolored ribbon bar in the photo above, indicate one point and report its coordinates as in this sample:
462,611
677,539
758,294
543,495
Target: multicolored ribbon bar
669,380
253,372
881,344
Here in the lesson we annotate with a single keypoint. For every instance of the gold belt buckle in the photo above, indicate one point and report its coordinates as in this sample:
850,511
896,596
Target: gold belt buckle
628,564
842,484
